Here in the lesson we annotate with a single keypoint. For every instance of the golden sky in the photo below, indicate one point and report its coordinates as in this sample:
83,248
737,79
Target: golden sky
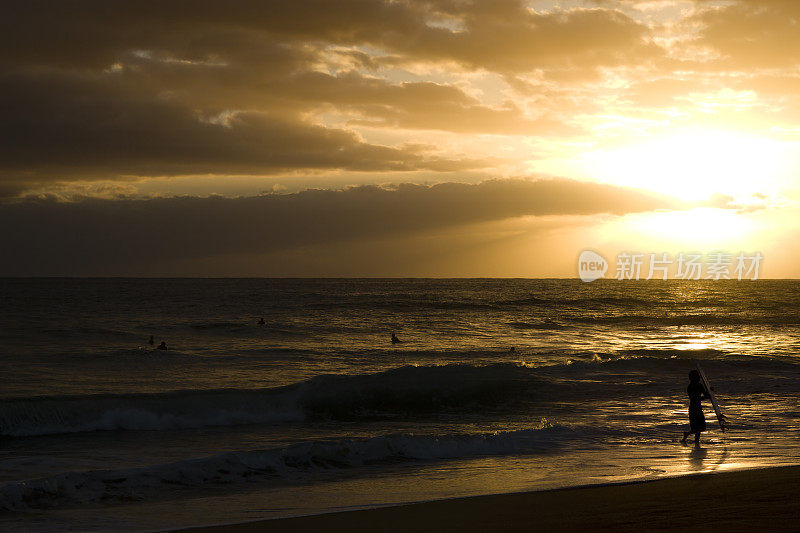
395,138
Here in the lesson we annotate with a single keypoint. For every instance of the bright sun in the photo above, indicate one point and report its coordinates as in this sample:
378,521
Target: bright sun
695,164
701,228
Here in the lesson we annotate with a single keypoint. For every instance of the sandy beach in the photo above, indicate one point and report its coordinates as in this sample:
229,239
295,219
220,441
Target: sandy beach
747,500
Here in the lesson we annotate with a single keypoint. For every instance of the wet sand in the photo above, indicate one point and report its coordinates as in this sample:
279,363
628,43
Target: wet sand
746,500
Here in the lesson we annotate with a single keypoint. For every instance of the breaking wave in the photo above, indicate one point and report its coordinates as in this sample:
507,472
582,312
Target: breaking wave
106,486
404,391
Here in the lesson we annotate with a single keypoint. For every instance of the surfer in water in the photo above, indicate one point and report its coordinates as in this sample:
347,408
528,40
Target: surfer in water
697,420
151,341
261,321
162,346
395,340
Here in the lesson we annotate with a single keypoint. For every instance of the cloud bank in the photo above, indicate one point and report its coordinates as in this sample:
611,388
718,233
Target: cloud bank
133,237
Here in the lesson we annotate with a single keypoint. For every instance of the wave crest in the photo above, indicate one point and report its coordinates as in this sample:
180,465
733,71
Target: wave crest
403,391
90,487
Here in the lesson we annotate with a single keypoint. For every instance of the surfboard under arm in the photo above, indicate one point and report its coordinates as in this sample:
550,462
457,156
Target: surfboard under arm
717,409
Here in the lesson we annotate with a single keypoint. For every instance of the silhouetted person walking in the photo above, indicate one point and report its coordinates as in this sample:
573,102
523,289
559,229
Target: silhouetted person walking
697,420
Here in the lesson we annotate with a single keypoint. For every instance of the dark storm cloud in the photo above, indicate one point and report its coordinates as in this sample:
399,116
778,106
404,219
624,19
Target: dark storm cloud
112,89
133,236
369,100
505,36
502,35
56,125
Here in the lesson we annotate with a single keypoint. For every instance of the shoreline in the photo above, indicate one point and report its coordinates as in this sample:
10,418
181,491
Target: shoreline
716,501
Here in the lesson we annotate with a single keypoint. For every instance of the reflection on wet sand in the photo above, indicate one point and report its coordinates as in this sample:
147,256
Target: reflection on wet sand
698,456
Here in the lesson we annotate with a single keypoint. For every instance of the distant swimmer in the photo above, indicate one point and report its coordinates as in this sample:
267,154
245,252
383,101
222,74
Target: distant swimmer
162,346
261,321
151,341
395,340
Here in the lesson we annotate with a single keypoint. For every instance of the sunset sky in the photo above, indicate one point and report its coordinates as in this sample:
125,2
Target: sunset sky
397,138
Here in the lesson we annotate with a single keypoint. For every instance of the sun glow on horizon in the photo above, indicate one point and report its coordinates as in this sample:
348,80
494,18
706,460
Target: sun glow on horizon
701,228
696,164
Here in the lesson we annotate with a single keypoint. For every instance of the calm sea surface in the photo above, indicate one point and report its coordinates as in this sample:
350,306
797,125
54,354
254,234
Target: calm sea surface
497,386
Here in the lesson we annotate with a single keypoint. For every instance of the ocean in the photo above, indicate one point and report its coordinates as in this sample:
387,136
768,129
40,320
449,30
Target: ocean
498,385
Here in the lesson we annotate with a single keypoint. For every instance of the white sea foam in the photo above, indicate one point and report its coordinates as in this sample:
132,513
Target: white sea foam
91,487
407,390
